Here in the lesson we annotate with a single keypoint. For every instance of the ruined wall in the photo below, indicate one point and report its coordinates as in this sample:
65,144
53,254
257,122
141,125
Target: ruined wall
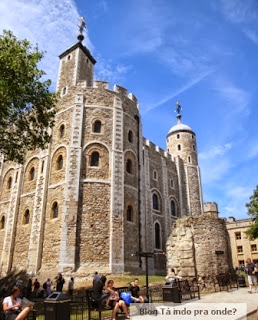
196,254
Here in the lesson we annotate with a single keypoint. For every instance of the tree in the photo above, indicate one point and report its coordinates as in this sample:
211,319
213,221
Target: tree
253,211
27,108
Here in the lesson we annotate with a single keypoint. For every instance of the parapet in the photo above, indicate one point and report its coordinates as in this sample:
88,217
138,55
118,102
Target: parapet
101,84
120,90
231,219
210,208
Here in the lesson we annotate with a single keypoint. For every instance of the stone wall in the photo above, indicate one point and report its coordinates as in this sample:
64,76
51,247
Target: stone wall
198,249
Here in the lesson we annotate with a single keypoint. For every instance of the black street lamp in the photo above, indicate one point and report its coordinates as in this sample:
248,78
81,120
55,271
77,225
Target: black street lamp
147,255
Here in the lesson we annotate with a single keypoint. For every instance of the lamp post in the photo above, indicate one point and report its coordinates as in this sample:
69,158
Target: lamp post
147,255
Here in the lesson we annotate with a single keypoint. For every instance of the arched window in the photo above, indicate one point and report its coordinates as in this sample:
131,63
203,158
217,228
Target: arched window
2,223
173,208
189,159
178,136
62,131
130,136
157,236
59,162
129,166
55,210
64,91
155,175
32,174
129,213
193,147
179,147
97,126
155,202
9,183
26,218
94,161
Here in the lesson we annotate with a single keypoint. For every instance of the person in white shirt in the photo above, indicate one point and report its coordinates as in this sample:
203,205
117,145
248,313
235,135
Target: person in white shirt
12,306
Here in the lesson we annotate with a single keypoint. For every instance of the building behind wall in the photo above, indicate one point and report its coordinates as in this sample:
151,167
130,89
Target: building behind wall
241,246
100,192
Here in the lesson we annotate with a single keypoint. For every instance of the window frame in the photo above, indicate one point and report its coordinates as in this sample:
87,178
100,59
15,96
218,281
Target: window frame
95,152
99,127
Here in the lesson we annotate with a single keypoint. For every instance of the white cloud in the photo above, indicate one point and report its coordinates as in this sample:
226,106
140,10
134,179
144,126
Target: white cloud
215,151
253,150
213,171
244,14
51,24
109,71
54,26
252,35
172,95
235,100
238,11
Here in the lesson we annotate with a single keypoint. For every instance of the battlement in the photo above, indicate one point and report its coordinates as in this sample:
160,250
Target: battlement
210,208
154,148
100,84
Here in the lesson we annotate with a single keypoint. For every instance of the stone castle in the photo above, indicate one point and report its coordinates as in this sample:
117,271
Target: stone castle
100,192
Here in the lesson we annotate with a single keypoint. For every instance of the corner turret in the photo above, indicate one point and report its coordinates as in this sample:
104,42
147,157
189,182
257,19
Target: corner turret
181,142
76,65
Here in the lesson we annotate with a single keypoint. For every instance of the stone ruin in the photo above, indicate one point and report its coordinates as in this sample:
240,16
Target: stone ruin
198,249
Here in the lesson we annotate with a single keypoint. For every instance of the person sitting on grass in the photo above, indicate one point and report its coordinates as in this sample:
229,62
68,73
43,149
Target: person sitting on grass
114,302
135,290
12,306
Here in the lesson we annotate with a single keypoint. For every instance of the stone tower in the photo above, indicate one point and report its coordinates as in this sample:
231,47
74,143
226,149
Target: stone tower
181,144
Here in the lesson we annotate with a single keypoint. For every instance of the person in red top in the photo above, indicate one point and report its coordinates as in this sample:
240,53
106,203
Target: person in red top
36,286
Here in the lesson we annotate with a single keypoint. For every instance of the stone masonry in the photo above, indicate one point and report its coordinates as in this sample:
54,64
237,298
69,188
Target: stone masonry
100,192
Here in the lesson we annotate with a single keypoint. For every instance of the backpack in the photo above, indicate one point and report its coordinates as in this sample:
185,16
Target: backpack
44,285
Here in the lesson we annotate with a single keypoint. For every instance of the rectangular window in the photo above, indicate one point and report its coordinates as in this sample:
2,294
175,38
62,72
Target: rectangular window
253,247
238,235
241,263
239,249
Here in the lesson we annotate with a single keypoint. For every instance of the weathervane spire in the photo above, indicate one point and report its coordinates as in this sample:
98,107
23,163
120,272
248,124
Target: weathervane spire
82,27
178,110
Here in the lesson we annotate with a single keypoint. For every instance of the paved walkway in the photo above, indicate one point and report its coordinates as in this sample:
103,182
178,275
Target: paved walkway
234,296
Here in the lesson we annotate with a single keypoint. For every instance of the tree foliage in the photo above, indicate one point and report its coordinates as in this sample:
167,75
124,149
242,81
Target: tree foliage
27,108
253,212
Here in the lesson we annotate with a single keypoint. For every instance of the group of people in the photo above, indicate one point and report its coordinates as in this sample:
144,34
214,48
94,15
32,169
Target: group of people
108,295
34,289
12,305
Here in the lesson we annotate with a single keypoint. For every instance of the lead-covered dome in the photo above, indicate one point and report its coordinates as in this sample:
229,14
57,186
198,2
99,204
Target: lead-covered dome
180,127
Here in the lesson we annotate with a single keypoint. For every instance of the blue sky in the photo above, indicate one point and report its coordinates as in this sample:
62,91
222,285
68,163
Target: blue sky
201,53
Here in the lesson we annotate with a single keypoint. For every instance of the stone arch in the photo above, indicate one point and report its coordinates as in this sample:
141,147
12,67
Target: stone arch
156,196
5,190
55,211
130,168
97,125
61,130
26,217
157,235
175,209
58,165
30,175
130,136
129,212
96,163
